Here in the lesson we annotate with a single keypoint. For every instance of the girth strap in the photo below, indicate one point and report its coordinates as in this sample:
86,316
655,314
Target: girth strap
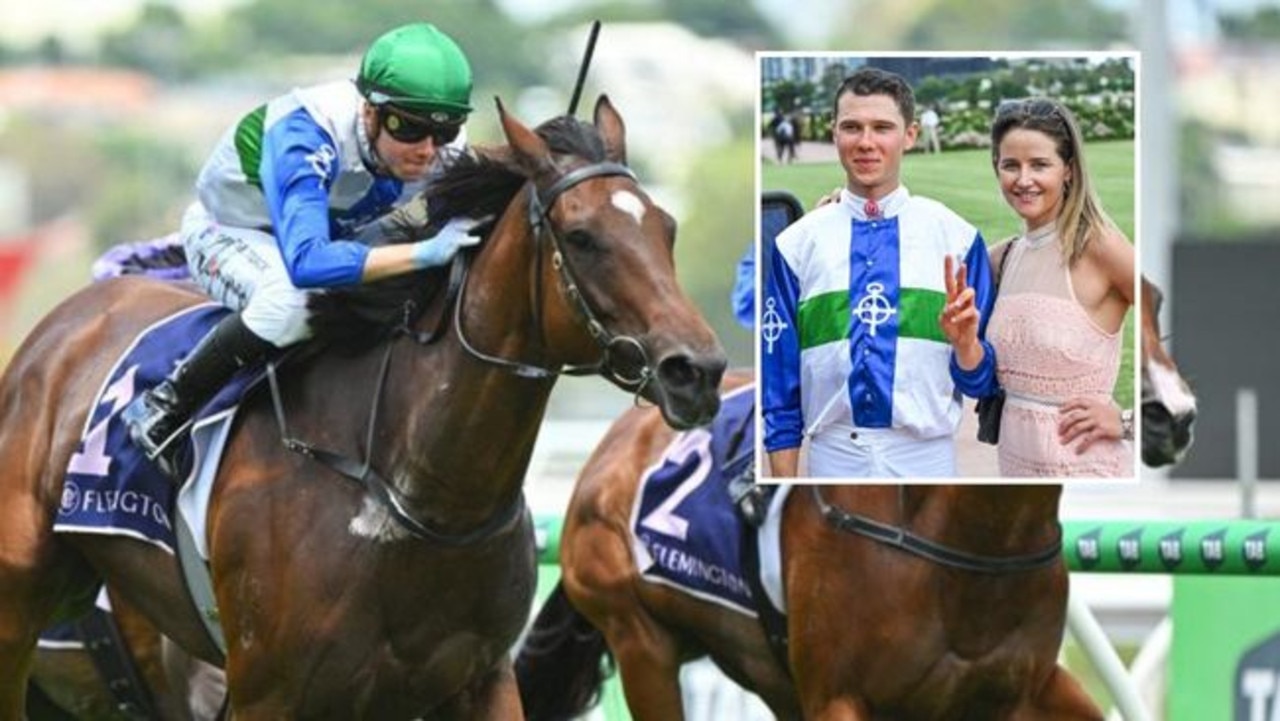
772,621
115,665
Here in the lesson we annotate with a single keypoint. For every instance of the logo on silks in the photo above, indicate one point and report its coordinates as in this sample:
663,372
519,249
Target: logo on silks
873,308
321,161
772,325
1257,682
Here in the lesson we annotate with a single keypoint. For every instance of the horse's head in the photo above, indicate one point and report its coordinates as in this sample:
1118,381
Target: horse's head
608,255
1168,406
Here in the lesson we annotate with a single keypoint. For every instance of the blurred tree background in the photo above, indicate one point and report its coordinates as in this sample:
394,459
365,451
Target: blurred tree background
1101,94
128,175
129,179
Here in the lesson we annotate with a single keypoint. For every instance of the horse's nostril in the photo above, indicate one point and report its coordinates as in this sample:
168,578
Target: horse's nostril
689,386
1182,428
678,371
1156,414
686,371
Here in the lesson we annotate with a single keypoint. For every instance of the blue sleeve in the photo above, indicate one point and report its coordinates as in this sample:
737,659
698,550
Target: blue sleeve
780,356
744,290
980,381
299,163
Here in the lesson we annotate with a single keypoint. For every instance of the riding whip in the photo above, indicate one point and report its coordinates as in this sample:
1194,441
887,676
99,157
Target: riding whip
582,69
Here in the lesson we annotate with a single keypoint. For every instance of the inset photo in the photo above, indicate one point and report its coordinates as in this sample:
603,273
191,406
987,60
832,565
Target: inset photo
947,274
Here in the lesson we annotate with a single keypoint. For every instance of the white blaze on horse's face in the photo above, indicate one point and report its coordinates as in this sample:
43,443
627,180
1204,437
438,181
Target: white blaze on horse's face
1171,390
629,203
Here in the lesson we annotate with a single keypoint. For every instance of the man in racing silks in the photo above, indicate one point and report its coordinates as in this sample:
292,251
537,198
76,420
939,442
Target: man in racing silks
853,355
283,199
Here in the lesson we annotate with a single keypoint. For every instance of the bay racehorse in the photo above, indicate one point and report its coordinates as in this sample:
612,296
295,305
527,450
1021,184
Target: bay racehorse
338,601
902,602
1168,405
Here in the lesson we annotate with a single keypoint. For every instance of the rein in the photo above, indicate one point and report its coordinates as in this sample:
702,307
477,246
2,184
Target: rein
896,536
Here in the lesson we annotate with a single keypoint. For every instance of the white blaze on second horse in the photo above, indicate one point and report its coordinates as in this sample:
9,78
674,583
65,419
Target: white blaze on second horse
627,202
1171,390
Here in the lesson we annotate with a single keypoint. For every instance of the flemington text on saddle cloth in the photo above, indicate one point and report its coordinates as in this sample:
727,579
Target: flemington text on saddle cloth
686,531
111,488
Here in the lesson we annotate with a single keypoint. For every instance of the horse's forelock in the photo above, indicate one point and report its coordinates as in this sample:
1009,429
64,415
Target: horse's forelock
483,181
474,184
567,135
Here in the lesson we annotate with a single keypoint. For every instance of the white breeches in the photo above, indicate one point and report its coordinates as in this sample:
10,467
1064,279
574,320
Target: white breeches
242,268
880,453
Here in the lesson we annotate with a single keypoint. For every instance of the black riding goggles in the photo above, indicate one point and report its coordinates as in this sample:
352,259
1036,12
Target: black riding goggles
406,128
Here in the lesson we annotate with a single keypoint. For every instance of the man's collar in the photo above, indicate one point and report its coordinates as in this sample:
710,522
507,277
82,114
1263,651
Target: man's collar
890,205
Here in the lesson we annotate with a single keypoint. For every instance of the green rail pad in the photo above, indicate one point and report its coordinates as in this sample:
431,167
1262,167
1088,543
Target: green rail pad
1219,548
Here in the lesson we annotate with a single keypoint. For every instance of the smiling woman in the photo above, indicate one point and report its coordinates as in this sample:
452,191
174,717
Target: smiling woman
1067,283
1031,175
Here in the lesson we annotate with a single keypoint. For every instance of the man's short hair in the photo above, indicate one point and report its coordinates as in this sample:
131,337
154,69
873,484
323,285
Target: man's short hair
874,81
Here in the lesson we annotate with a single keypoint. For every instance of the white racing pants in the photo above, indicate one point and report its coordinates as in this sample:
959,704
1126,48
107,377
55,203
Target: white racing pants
242,268
880,453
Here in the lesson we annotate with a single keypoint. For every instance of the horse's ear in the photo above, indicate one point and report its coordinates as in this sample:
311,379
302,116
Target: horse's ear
530,151
612,130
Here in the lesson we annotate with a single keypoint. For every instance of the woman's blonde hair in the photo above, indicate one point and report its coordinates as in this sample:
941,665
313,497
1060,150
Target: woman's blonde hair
1081,217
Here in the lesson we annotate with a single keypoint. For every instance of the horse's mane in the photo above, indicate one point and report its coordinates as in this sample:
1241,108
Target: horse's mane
477,183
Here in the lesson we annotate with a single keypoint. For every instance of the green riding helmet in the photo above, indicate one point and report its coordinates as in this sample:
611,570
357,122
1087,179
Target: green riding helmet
420,69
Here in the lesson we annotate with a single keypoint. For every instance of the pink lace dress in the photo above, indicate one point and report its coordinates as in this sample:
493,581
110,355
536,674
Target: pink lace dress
1049,350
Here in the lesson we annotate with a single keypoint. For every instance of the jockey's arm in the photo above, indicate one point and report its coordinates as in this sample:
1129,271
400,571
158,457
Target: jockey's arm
296,182
388,260
297,171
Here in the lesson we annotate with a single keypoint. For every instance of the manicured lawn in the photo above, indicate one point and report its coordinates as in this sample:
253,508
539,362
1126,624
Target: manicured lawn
964,181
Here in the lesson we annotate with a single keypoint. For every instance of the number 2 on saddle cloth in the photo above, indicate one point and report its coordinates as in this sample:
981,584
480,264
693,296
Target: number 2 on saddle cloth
686,529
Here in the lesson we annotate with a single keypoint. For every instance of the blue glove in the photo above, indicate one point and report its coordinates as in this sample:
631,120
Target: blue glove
440,248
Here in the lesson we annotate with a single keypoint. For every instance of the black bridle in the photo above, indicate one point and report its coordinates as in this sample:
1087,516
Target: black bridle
540,204
901,538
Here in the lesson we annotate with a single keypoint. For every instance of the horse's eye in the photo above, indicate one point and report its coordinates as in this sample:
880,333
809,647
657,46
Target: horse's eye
580,239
